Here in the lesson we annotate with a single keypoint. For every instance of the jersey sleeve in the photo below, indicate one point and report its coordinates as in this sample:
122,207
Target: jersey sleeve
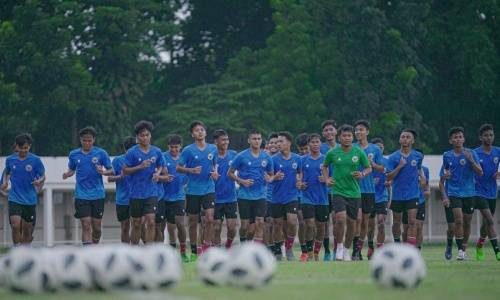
377,158
299,164
426,174
441,171
184,157
392,162
39,168
475,157
364,159
72,162
235,164
129,160
106,161
328,158
8,167
270,165
420,161
160,159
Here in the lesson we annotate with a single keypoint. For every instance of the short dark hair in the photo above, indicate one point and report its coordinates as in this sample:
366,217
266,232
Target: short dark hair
196,123
455,129
413,132
23,138
327,123
174,139
313,136
377,140
128,142
143,125
301,139
346,127
485,127
87,130
272,135
363,123
254,131
218,133
287,135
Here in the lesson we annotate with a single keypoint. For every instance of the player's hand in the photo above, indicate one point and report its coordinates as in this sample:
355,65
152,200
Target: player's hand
268,178
496,175
388,183
246,182
447,174
66,175
402,162
446,202
329,181
376,180
196,170
37,182
357,174
301,185
279,175
468,155
4,186
215,175
146,163
321,179
170,178
100,169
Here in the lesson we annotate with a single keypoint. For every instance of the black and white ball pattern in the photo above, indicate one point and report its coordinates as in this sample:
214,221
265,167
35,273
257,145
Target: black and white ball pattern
211,267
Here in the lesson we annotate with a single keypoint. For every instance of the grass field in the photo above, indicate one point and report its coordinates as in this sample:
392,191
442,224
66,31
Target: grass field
331,280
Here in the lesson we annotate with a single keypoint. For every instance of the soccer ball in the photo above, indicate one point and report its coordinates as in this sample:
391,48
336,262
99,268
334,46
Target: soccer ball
155,266
111,266
2,271
70,268
397,265
211,266
250,265
27,270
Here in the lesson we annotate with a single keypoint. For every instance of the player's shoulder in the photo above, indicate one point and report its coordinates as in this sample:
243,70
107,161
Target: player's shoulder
34,157
76,151
13,156
232,153
211,146
295,155
156,149
417,153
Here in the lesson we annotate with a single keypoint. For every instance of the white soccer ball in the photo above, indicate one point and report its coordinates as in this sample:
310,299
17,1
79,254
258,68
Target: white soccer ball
397,265
156,266
211,266
109,265
27,270
251,265
2,271
70,268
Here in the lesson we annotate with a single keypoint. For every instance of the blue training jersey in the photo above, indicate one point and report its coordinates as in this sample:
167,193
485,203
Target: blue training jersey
191,157
173,190
225,187
405,186
122,185
142,185
285,190
379,178
22,173
325,148
421,198
486,185
255,168
89,184
374,153
461,182
316,192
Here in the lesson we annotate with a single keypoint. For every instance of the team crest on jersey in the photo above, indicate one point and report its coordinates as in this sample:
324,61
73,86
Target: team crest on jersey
307,165
294,166
414,163
462,162
153,159
355,159
281,166
249,163
370,156
196,157
168,164
210,156
95,160
264,163
28,168
495,160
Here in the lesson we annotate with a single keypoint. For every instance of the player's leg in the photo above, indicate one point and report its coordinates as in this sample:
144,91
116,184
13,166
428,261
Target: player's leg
420,219
329,224
397,218
307,213
28,219
218,216
97,211
404,220
251,230
149,213
339,207
193,209
302,233
123,216
208,204
489,229
180,225
412,223
322,213
245,214
291,224
309,234
15,213
258,212
231,224
352,212
160,221
467,212
277,213
456,205
83,212
450,232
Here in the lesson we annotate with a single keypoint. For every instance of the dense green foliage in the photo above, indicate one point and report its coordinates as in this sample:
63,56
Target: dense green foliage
268,64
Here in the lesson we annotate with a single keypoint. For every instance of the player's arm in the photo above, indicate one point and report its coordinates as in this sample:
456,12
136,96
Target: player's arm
116,177
186,170
442,189
68,174
473,159
325,173
131,170
392,174
376,162
4,185
244,182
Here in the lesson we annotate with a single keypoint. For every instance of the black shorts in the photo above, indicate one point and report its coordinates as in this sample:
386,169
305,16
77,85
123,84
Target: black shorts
89,208
402,206
225,210
318,212
449,215
195,203
26,212
251,209
466,204
142,207
367,203
380,209
493,205
268,209
350,205
330,200
279,210
484,203
171,210
122,212
420,214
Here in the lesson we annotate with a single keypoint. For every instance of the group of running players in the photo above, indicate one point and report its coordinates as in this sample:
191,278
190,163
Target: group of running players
337,185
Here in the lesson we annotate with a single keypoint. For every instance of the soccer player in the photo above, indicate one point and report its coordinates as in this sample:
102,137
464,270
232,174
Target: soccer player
302,146
171,211
314,201
26,174
272,149
287,170
122,190
89,163
225,189
144,164
459,166
420,219
197,162
450,231
329,132
252,165
486,189
367,185
347,162
379,213
403,169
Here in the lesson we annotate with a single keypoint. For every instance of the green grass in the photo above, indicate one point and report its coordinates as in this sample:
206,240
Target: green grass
332,280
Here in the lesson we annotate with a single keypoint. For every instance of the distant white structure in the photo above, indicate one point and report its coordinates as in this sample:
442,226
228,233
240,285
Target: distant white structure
57,225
